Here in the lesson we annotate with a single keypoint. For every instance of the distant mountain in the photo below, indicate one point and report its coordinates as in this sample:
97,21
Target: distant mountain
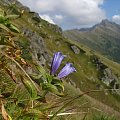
103,37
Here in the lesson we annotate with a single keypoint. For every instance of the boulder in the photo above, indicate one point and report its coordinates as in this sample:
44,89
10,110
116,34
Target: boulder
75,49
36,17
109,78
42,60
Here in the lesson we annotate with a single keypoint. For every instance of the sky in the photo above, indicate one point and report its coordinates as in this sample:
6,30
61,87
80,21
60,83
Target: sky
72,14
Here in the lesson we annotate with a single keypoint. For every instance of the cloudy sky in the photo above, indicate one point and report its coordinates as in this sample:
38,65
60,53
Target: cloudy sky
71,14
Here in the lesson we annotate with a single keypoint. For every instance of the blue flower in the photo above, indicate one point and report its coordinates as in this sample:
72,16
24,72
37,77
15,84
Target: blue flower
67,69
57,59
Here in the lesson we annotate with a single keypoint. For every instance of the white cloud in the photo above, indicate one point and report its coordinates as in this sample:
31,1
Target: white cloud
59,17
116,18
47,18
69,13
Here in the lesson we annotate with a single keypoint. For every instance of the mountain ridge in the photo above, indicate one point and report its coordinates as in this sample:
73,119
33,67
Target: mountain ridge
103,37
104,22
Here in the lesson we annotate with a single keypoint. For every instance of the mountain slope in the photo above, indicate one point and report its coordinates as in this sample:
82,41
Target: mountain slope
39,40
103,37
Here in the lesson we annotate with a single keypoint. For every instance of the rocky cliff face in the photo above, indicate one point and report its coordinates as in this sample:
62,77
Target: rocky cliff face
37,46
106,75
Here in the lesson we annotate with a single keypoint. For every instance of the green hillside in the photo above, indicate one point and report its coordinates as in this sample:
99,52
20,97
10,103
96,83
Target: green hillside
103,37
35,43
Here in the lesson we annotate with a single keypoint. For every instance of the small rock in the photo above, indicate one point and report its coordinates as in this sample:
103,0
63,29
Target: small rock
26,9
75,49
42,60
58,43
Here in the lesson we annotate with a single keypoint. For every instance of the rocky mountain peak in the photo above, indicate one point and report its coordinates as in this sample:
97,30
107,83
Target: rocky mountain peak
106,23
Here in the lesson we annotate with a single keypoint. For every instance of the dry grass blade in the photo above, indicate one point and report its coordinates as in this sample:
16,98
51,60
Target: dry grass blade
4,113
70,113
22,70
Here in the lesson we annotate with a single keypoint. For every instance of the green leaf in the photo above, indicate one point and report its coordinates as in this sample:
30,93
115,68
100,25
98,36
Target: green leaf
41,70
2,12
59,86
4,27
49,78
35,77
13,28
51,88
58,83
31,88
2,19
12,17
2,41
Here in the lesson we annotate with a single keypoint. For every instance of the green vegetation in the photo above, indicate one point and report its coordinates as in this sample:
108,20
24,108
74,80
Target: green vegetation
22,89
102,117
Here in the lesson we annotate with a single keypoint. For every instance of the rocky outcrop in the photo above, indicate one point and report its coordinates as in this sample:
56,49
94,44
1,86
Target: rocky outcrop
75,49
55,28
106,75
37,46
35,16
110,79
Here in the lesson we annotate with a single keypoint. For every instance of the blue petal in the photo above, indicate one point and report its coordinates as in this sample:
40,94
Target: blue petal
57,59
67,69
